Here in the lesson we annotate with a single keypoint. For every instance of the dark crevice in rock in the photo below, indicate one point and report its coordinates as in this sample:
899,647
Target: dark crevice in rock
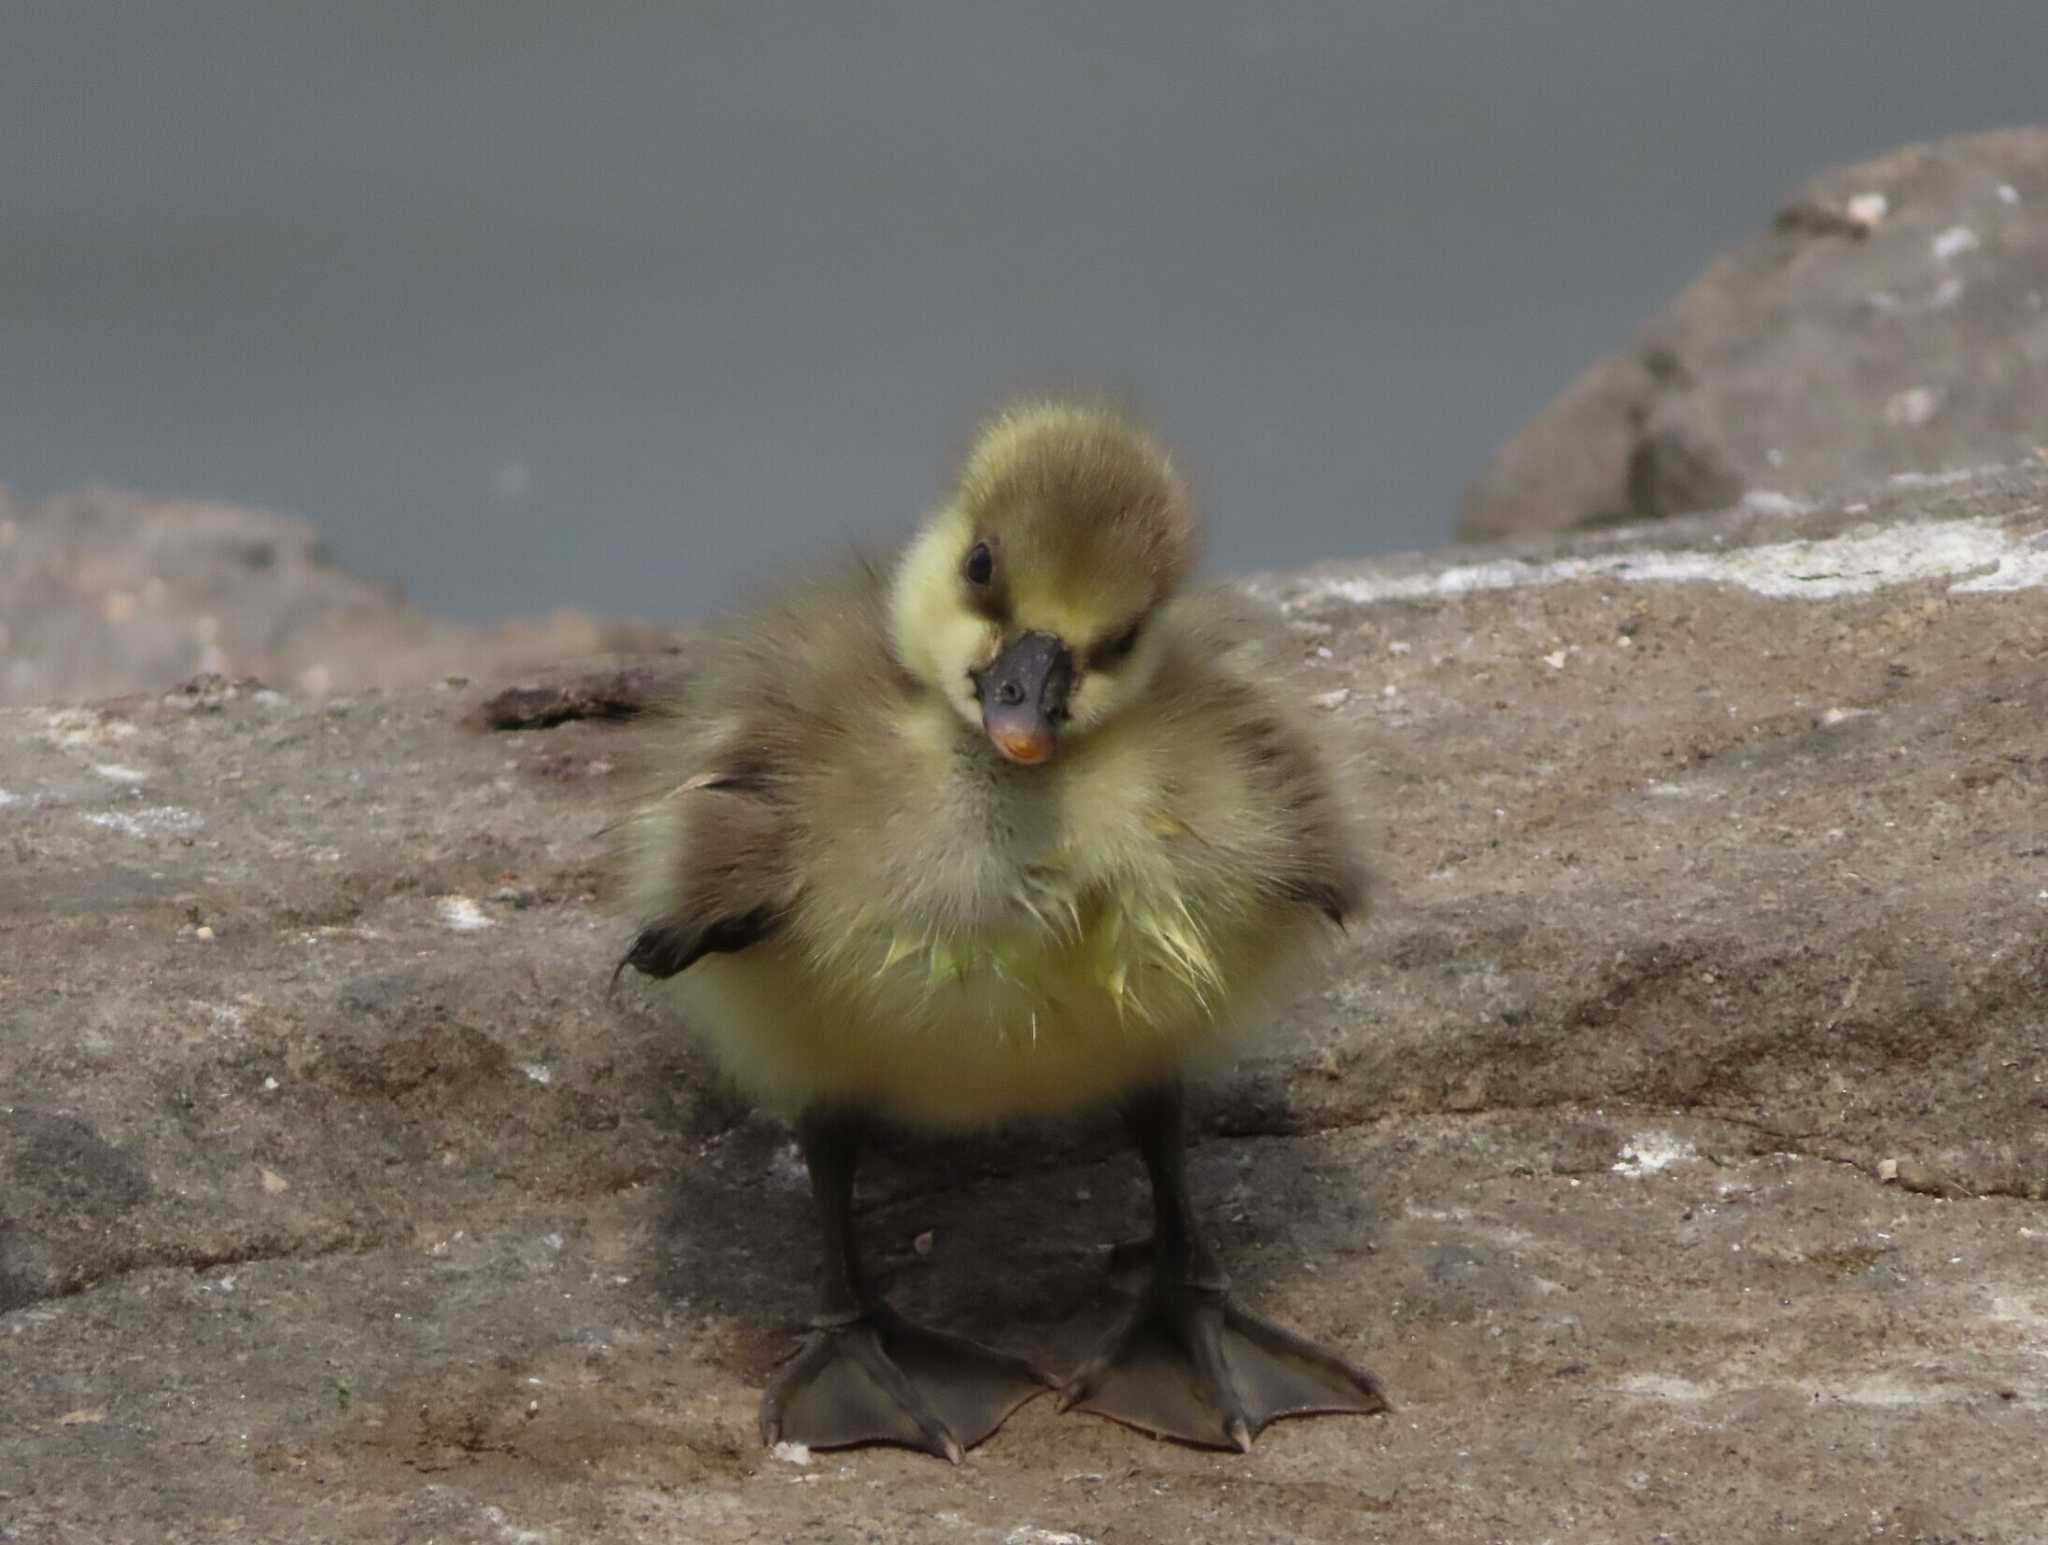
17,1293
1799,1145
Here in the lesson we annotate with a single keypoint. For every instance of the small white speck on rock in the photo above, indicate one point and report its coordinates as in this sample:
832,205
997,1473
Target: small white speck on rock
791,1453
1774,503
462,914
1647,1153
1954,242
786,1165
923,1243
1912,407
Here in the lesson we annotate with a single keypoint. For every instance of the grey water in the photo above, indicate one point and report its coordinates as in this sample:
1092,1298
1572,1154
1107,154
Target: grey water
619,306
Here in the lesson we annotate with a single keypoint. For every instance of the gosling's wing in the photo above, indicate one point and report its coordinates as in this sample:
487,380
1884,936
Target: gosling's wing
1278,810
1316,858
715,876
714,857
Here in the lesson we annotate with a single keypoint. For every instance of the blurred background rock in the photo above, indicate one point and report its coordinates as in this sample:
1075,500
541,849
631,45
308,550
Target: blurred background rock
614,309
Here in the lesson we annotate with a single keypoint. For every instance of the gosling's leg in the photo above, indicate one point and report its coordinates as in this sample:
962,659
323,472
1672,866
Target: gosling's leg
1185,1361
865,1374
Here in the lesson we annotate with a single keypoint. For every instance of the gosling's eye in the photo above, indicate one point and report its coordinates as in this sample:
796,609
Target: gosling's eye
1113,651
979,566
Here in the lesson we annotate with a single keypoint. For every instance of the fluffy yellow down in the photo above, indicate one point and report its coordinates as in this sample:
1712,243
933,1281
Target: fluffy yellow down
1064,1010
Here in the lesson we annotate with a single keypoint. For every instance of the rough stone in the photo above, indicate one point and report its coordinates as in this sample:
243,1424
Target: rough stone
1715,877
1894,319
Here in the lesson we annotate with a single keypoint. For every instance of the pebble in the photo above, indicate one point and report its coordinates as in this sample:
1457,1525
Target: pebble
1954,242
1912,407
462,914
203,931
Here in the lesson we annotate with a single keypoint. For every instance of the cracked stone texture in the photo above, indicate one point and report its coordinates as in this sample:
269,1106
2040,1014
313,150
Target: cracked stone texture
1894,319
337,1202
103,591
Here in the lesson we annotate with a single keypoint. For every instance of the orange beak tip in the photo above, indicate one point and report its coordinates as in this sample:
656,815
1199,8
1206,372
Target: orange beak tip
1023,748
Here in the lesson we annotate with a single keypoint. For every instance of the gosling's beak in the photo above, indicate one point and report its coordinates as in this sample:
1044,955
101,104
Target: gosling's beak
1023,695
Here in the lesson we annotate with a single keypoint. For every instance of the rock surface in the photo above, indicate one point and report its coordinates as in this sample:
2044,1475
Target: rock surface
1894,320
1673,1141
104,592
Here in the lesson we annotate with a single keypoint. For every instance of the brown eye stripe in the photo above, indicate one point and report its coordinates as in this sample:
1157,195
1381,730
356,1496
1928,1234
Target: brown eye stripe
1115,648
991,604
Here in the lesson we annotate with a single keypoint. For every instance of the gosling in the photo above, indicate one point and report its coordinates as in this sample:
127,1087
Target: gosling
1018,829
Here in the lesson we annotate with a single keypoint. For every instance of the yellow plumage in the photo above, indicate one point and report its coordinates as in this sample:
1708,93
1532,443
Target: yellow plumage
1015,830
957,939
1095,971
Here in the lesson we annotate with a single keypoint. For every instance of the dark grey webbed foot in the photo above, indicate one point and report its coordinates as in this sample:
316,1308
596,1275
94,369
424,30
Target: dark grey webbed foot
1187,1362
883,1379
865,1374
1184,1361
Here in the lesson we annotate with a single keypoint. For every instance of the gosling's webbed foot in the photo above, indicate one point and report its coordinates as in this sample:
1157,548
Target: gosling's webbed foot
1186,1362
883,1379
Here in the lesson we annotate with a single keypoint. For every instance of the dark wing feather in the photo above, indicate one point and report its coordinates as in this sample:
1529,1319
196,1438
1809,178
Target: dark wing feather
1291,768
729,886
665,948
1336,888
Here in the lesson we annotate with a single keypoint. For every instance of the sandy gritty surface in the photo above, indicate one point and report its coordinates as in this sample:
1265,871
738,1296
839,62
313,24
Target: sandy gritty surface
1674,1142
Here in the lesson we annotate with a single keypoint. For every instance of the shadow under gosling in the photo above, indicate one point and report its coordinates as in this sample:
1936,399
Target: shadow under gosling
1018,829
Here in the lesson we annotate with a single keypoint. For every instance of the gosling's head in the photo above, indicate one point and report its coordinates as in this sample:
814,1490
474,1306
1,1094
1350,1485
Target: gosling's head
1028,597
